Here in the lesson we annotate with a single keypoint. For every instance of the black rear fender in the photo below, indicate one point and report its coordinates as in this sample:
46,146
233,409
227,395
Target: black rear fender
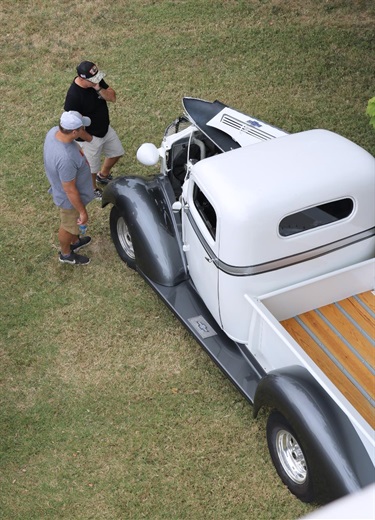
336,455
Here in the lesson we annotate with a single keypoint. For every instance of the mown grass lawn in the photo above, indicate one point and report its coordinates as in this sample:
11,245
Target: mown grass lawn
109,410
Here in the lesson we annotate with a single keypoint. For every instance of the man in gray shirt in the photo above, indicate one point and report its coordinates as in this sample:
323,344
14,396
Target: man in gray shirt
69,175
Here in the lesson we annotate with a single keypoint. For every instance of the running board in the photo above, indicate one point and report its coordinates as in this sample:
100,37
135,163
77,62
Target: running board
232,358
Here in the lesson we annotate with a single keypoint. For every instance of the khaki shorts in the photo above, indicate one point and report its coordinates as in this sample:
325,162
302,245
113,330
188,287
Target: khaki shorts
109,146
68,220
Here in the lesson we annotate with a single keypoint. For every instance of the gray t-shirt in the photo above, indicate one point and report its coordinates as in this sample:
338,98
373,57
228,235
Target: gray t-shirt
64,162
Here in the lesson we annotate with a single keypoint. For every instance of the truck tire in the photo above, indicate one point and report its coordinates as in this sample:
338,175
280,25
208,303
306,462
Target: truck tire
288,458
121,237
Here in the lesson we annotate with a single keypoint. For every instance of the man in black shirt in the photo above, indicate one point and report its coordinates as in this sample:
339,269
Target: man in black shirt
88,94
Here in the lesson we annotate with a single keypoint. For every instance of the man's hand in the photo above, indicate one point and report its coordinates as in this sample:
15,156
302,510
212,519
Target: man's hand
83,134
108,94
83,218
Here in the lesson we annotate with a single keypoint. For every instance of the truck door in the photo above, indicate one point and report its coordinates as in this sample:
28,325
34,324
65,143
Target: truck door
201,245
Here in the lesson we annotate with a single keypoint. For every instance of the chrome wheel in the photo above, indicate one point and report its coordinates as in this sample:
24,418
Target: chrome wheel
288,455
125,238
291,456
122,238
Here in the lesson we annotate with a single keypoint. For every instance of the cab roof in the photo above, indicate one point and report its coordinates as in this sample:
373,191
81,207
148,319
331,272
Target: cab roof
269,180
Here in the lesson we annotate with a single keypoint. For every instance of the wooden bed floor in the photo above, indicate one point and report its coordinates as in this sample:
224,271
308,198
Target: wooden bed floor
340,338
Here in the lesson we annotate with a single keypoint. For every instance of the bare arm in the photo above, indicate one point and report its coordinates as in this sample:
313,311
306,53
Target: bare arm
108,94
72,193
83,134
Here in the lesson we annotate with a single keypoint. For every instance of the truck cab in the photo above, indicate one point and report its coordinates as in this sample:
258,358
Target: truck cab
268,215
263,209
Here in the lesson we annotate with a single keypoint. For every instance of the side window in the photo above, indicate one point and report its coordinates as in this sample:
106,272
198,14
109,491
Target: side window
311,218
205,210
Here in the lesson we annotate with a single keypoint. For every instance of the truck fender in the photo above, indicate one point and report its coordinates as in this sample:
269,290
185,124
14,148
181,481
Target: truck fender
146,208
337,459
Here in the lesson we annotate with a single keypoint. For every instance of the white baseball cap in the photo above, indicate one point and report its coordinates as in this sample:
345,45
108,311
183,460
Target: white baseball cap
72,120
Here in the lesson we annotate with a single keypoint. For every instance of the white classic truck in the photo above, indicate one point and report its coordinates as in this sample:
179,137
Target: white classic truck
262,243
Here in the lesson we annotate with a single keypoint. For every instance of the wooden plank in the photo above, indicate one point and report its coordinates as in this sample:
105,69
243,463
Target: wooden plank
353,363
369,299
329,367
359,315
349,331
340,351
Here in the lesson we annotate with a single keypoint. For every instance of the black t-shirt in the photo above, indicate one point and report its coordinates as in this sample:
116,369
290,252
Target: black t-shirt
87,101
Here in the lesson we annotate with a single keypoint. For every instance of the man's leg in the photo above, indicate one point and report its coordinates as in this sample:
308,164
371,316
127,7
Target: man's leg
92,153
68,236
109,162
113,151
68,231
66,239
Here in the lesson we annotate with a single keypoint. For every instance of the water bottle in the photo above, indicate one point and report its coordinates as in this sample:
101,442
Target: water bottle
82,229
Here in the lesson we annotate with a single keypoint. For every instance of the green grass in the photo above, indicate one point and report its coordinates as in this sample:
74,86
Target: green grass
109,409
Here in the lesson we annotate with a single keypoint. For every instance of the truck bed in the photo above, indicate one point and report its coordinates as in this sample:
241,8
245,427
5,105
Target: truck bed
339,338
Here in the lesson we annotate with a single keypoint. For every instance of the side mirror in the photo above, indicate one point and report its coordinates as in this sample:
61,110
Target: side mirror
148,154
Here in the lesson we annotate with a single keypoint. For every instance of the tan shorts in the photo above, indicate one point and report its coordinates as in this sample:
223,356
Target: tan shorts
68,220
109,146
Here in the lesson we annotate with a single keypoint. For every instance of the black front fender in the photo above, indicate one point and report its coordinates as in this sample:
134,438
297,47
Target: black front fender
337,458
145,204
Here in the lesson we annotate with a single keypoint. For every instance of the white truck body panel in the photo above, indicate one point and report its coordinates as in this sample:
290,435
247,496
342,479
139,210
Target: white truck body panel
322,290
233,288
243,129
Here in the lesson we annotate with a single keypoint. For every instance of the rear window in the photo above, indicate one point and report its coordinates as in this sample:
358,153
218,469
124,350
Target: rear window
316,216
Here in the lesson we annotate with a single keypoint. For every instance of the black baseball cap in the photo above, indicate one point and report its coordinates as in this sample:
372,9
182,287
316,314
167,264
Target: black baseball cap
88,70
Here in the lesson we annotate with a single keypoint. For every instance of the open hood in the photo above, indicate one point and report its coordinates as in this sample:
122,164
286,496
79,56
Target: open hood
225,127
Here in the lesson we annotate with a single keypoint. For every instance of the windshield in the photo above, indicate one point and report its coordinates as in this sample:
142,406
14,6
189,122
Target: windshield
177,125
